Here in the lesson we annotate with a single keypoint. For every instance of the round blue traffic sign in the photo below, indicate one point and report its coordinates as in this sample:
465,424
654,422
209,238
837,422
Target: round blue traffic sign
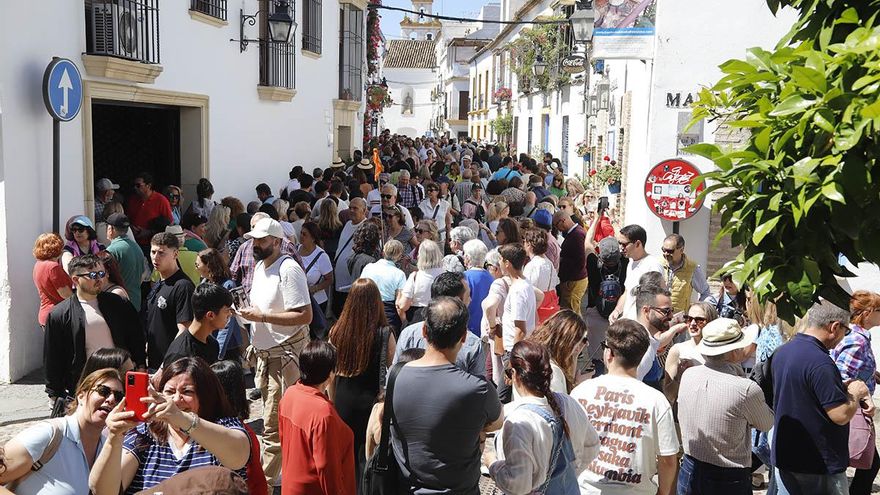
62,89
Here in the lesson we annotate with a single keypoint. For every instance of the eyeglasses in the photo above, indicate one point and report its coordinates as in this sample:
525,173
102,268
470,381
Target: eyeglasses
105,391
604,345
138,185
385,196
699,319
433,190
623,245
92,275
78,228
174,196
663,311
668,251
419,231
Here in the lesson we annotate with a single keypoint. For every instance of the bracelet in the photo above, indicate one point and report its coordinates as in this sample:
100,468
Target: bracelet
193,425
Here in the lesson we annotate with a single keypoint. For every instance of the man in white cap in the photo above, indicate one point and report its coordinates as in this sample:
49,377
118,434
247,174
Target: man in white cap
105,189
717,406
280,312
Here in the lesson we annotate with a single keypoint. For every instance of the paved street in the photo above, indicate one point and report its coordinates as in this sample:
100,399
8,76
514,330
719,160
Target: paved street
24,404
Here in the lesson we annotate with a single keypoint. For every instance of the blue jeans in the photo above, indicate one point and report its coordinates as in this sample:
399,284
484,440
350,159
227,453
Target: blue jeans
789,483
700,478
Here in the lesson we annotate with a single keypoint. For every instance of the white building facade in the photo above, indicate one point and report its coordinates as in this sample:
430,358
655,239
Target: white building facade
642,118
409,68
170,95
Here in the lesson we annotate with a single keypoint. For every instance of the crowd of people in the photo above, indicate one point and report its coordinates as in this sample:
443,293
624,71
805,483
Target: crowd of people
407,308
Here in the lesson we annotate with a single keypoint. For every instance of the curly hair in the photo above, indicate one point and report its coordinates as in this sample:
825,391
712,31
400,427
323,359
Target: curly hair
216,264
48,246
366,240
862,304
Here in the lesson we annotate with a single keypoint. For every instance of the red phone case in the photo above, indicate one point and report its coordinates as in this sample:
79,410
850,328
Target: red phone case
135,388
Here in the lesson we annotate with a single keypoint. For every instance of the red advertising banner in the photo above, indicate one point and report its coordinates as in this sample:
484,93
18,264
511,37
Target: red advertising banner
668,190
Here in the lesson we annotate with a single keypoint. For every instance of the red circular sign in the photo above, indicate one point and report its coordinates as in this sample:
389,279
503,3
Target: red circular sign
668,190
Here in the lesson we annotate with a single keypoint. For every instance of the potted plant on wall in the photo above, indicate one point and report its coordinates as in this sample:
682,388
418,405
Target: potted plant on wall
608,174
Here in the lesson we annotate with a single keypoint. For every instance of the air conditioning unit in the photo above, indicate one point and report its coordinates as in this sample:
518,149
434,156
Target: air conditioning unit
118,30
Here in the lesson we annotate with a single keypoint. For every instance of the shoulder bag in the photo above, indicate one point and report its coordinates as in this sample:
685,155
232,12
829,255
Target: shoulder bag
382,473
55,438
318,326
861,440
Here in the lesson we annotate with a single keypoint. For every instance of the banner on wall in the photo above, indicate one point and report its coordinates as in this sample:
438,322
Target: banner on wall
624,29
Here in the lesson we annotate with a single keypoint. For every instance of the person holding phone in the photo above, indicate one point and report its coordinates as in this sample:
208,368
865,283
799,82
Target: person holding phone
189,424
66,472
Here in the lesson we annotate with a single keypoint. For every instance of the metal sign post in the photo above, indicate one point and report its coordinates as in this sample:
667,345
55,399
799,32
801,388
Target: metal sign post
63,94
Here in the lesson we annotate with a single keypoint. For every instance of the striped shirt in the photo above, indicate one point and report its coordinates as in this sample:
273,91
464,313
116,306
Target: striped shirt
156,461
716,407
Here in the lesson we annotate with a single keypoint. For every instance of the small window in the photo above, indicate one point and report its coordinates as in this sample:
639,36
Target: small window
312,10
429,36
213,8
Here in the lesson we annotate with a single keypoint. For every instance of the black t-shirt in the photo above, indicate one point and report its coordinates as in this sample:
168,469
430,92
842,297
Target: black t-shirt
168,304
595,276
186,345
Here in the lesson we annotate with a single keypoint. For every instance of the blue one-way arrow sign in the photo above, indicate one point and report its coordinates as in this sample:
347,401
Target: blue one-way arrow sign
62,89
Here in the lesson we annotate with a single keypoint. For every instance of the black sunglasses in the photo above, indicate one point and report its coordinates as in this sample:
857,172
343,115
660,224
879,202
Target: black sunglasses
668,251
92,275
79,228
663,311
105,391
419,231
385,196
698,319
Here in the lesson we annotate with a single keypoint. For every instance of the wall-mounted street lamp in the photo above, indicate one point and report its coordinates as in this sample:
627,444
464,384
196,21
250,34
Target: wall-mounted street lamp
539,66
281,25
603,91
582,24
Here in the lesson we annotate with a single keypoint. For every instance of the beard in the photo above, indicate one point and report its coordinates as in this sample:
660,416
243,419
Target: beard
659,324
261,254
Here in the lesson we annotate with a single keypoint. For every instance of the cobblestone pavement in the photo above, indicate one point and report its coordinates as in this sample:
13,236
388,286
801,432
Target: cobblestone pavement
21,401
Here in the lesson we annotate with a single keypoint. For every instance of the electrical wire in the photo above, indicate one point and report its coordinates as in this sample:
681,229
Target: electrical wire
465,19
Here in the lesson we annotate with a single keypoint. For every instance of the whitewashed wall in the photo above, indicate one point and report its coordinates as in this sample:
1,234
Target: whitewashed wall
250,140
421,81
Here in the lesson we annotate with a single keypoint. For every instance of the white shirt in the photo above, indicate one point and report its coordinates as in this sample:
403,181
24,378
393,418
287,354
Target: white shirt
292,185
316,209
98,334
540,273
634,271
649,357
442,208
635,425
519,305
557,381
320,269
525,445
498,289
418,286
277,288
67,473
341,277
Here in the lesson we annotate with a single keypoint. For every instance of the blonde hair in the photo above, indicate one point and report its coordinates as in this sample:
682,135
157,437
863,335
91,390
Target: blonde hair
218,225
430,227
430,255
495,210
393,250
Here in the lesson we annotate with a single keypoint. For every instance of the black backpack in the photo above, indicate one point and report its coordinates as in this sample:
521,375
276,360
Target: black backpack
610,290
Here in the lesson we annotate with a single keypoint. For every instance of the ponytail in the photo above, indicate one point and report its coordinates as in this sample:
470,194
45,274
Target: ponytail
532,364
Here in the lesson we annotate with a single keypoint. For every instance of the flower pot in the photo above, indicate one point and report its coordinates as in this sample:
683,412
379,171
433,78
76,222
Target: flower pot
614,188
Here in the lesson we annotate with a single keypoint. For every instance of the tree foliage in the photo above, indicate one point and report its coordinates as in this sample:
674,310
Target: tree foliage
806,188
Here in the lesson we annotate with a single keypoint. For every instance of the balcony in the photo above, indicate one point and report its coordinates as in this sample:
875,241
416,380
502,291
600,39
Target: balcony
122,39
211,8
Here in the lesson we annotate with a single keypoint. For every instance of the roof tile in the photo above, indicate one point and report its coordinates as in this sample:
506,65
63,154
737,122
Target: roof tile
410,54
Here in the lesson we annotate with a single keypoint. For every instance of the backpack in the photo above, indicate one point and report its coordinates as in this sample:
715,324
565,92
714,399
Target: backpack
610,290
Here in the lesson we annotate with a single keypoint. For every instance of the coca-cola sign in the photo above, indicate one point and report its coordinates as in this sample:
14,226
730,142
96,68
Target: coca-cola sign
573,64
669,190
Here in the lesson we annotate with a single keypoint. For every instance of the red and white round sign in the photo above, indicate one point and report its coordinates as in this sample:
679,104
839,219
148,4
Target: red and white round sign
668,190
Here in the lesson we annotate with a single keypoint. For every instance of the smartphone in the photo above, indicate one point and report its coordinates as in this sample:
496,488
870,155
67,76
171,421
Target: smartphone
240,298
136,387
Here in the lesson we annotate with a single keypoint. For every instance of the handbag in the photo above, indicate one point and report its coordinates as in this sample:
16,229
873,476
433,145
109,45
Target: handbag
318,326
549,305
382,473
861,440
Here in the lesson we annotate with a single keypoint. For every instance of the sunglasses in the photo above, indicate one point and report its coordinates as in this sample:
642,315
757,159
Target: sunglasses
663,311
433,190
699,319
92,275
668,251
174,196
419,231
79,228
385,196
105,391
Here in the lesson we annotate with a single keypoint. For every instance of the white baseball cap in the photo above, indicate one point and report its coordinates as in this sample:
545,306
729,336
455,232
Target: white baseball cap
266,227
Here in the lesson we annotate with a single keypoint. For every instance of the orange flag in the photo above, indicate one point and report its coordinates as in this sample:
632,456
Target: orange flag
377,164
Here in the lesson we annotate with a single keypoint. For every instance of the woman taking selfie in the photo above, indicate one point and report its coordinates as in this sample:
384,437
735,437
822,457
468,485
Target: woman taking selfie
189,424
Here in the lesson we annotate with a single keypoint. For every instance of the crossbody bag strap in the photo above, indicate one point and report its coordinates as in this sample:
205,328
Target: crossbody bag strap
55,438
559,432
384,334
312,263
384,442
436,209
340,250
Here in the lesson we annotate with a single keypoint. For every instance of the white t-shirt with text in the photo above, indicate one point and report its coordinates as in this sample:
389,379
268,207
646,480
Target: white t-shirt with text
634,271
635,425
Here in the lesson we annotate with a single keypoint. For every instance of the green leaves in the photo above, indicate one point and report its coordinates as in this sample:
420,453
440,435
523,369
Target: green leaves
804,188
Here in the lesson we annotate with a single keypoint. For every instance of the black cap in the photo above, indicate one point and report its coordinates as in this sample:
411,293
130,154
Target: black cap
118,220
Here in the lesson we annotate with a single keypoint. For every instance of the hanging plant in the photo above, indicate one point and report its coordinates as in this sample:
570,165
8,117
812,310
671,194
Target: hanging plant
546,40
